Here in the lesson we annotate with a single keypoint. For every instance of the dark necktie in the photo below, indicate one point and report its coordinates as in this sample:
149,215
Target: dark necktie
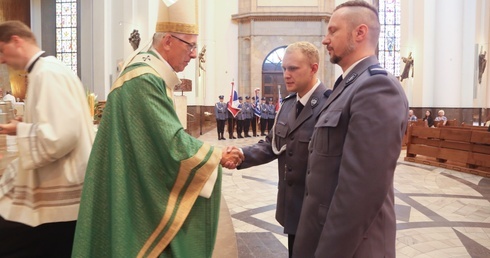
337,82
299,107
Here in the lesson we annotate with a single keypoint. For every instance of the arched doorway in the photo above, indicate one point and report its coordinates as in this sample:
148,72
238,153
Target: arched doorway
272,80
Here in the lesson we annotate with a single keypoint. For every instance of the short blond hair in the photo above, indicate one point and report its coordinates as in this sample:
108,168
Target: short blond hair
307,49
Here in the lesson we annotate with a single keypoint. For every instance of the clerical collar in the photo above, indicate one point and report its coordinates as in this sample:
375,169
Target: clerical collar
306,97
33,61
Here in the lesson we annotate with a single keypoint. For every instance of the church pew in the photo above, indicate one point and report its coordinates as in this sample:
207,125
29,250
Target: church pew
460,148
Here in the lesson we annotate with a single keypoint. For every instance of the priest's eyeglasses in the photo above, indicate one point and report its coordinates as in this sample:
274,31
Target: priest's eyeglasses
190,46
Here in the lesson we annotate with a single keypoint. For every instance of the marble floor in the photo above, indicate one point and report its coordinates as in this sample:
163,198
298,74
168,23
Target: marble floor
440,213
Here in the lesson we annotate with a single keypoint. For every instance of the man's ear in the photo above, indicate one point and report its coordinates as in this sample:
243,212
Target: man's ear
16,40
166,41
361,32
314,68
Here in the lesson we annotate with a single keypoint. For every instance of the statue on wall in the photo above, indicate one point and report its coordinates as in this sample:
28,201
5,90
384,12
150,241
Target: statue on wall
482,63
202,60
408,66
134,39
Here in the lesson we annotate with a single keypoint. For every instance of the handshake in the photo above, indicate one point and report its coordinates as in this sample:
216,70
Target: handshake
232,157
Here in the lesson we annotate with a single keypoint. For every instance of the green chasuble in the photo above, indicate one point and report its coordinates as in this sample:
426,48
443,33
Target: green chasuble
141,192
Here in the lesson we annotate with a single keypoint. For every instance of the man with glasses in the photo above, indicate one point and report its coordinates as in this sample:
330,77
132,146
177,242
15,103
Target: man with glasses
151,188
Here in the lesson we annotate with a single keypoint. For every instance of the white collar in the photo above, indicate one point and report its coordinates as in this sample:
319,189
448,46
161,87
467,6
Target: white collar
306,97
33,58
352,67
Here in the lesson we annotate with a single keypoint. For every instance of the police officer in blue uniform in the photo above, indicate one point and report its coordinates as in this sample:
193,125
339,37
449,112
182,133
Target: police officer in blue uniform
271,108
264,115
248,113
240,117
220,111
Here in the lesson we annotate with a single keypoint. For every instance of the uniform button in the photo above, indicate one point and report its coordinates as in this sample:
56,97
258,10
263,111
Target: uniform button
290,169
292,138
290,184
290,153
306,193
308,172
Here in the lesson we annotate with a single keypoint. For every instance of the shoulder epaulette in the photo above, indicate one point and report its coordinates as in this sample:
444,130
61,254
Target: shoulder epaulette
290,96
377,69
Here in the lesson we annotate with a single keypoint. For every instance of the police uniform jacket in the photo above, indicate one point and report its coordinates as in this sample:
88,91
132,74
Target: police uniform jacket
348,210
271,111
264,111
247,110
220,111
241,114
290,136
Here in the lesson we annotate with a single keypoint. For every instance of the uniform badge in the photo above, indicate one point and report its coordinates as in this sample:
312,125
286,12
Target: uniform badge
314,102
351,78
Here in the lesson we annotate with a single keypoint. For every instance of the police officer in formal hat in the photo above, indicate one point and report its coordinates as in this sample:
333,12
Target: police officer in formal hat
264,115
221,116
271,115
248,113
240,117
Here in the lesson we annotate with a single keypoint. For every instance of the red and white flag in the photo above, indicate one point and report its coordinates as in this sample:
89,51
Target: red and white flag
233,103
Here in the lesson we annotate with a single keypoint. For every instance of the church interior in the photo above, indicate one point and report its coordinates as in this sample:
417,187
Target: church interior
438,50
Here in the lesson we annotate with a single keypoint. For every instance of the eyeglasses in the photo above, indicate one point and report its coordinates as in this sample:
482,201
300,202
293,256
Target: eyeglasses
191,47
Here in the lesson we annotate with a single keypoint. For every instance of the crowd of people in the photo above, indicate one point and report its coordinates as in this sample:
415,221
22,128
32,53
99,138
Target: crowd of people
429,121
246,119
144,187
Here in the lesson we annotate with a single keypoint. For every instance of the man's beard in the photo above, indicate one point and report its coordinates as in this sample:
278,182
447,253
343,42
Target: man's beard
335,59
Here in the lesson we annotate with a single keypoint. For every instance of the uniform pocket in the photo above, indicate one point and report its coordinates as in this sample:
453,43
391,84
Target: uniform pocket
281,129
327,139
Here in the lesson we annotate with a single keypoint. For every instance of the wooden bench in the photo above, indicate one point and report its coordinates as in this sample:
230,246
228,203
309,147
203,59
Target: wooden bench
452,122
461,149
468,127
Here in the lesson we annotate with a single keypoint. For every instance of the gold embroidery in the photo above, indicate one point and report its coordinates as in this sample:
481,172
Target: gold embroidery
188,199
133,74
177,27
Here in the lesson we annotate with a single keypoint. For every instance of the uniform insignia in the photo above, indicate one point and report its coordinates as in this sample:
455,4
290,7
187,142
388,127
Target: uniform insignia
147,58
351,78
289,97
314,102
377,69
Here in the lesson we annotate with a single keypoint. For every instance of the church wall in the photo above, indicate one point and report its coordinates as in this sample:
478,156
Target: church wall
257,6
444,46
483,39
258,38
219,34
448,50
